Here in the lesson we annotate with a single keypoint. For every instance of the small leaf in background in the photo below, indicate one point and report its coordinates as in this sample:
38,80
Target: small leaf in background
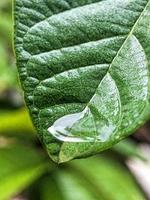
46,188
99,178
20,166
6,27
15,122
107,178
129,148
8,78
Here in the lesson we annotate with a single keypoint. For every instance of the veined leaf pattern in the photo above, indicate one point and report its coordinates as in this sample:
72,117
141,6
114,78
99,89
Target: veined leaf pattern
84,56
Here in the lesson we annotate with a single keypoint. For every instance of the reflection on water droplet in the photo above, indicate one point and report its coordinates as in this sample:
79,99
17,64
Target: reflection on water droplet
80,127
61,129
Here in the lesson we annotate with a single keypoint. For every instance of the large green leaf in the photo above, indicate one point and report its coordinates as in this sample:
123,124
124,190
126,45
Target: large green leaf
83,65
20,166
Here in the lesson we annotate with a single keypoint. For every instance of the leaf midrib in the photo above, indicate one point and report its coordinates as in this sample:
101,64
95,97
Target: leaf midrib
130,33
128,36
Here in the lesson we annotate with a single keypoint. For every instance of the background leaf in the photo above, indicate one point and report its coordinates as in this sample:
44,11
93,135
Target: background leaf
20,166
99,178
15,122
100,173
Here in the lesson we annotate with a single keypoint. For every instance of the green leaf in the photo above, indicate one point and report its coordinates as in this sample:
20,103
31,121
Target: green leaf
78,180
46,188
5,3
8,75
84,59
80,188
15,122
129,149
20,166
6,27
98,176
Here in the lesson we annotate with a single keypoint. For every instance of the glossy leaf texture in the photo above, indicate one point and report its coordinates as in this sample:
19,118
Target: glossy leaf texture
87,57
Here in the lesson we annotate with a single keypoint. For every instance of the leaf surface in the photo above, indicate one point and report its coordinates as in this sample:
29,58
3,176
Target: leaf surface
86,57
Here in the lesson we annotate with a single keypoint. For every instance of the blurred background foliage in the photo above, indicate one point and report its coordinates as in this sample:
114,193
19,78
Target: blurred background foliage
27,173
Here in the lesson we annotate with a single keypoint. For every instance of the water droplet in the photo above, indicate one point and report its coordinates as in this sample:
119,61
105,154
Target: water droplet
81,127
61,129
